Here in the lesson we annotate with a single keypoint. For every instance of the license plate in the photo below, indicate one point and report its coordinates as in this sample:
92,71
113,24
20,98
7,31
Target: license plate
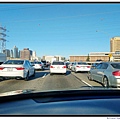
9,69
58,67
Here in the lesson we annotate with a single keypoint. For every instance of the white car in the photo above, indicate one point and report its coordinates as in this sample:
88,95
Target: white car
17,69
58,67
80,67
38,65
70,65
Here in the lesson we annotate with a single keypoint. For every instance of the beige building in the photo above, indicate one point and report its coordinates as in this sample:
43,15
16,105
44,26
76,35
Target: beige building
91,58
115,44
25,54
104,56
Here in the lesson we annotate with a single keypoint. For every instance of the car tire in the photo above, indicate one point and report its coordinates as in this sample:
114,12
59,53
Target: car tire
75,71
89,78
27,77
51,74
105,82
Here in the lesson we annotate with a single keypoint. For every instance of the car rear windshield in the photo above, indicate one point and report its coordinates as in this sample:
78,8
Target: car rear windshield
82,63
58,63
116,65
37,62
18,62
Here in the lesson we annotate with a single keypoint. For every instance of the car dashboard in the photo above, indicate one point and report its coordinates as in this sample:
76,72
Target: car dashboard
69,102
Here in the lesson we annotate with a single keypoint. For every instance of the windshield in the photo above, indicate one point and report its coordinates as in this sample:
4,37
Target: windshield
14,62
82,63
58,63
117,66
62,45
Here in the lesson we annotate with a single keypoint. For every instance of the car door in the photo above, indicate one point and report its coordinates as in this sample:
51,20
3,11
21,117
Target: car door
73,66
31,69
101,71
95,72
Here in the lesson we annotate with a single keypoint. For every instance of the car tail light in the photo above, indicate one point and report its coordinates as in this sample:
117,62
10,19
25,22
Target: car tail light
51,67
1,68
78,66
116,73
64,67
40,64
88,66
20,68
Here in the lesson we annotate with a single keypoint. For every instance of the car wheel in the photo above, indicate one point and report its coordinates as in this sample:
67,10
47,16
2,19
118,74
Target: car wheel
105,82
50,73
75,71
89,76
27,77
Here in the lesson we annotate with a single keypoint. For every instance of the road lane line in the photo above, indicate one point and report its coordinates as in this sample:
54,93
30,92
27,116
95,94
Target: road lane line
83,81
44,75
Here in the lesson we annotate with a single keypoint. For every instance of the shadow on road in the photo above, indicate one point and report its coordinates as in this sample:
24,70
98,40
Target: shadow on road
67,73
39,75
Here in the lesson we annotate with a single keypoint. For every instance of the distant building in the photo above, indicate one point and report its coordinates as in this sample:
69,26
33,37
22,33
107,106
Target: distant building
15,52
6,52
11,53
53,58
93,56
34,57
25,54
115,44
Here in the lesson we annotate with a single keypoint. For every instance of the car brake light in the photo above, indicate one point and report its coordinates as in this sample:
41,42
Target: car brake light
88,66
51,67
1,68
64,67
20,68
116,73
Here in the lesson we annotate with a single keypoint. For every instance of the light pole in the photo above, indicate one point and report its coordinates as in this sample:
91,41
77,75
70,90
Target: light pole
103,32
108,37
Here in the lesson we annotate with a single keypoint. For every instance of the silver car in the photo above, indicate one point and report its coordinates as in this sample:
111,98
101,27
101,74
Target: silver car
107,73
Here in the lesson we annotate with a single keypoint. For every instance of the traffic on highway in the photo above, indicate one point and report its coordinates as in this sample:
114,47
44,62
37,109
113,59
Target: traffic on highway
46,79
60,59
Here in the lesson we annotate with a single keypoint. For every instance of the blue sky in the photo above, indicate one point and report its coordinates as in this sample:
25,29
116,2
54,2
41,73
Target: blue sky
61,29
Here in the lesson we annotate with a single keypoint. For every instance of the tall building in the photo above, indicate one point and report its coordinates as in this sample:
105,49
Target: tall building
7,52
11,53
15,52
115,44
25,54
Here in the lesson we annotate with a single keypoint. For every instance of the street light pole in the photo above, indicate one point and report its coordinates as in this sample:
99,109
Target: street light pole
109,39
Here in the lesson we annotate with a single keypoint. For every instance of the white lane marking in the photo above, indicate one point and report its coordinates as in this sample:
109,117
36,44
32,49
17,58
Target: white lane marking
86,83
44,75
83,81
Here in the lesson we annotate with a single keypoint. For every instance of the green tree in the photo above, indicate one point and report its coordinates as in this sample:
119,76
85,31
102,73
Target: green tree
88,58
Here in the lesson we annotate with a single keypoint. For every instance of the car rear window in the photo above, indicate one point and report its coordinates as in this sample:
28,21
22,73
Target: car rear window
37,62
116,65
18,62
58,63
82,63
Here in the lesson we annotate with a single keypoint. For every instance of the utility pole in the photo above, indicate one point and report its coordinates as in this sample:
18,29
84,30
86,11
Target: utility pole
2,38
